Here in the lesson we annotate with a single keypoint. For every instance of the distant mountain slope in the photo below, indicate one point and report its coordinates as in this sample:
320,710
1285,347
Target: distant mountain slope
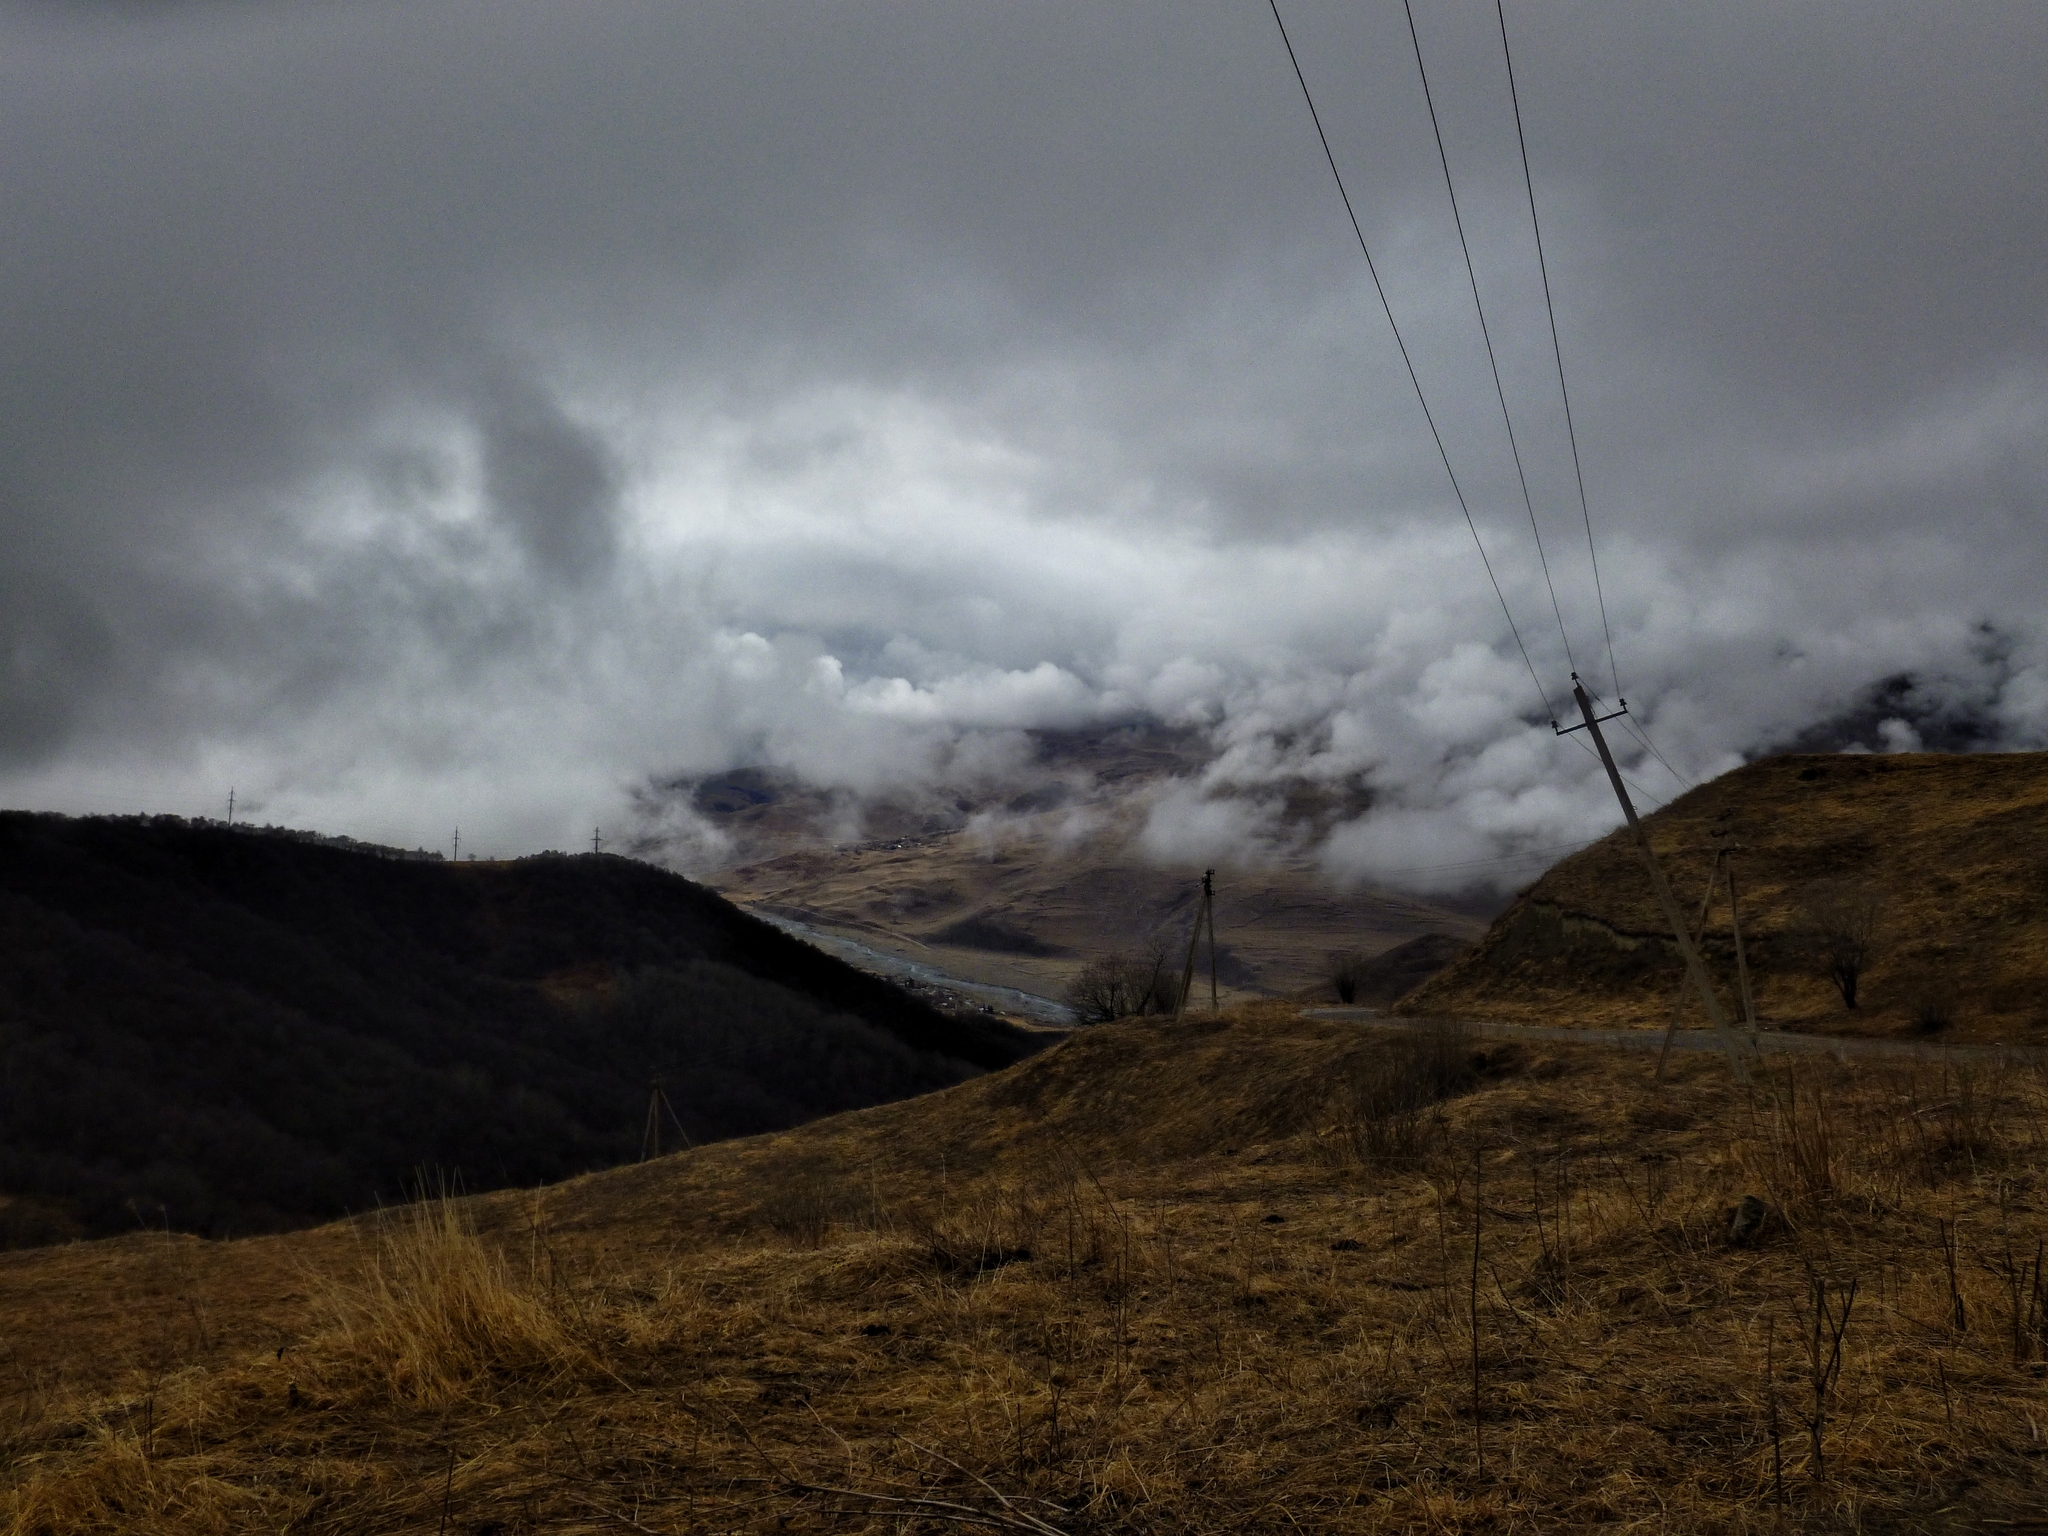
227,1031
1956,847
1019,879
1030,914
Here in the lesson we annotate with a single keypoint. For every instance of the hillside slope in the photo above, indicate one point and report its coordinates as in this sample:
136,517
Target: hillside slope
1233,1277
1955,847
224,1031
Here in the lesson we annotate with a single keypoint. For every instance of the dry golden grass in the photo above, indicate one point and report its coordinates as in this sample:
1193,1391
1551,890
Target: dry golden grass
1150,1281
1952,842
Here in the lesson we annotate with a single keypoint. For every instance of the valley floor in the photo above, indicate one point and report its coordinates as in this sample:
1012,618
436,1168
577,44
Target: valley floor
1262,1273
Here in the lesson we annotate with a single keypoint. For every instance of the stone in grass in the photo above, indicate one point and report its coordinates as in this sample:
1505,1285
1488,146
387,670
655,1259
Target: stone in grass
1747,1220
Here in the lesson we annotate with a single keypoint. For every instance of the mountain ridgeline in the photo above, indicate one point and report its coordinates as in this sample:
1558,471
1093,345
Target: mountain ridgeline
223,1031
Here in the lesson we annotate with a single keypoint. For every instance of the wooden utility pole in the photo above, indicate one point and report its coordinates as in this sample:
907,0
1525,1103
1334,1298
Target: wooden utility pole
1695,970
1205,912
1209,909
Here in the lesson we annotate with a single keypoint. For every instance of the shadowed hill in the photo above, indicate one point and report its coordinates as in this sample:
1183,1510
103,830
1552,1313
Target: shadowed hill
1954,847
226,1031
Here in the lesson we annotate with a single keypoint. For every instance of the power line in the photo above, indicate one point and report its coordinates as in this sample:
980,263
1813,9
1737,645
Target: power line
1631,783
1643,737
1556,348
1409,362
1486,333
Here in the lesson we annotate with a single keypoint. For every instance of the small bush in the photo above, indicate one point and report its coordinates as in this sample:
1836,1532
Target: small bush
1344,969
1933,1014
1121,986
1385,1113
1843,923
801,1206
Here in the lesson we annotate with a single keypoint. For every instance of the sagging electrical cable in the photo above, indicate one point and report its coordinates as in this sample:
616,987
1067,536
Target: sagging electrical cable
1556,347
1486,334
1409,362
1633,726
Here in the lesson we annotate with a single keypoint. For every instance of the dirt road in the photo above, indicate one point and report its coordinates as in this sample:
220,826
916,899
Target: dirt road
1767,1041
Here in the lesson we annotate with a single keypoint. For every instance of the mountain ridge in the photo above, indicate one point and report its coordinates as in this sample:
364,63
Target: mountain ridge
228,1031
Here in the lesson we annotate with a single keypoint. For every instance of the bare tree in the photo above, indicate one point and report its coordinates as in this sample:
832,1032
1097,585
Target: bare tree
1121,985
1844,926
1344,969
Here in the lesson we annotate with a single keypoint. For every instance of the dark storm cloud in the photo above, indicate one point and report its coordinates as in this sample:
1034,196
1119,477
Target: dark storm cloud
390,389
554,482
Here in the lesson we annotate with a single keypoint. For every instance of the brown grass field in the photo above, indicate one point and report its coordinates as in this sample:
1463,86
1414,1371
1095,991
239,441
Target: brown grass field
1258,1274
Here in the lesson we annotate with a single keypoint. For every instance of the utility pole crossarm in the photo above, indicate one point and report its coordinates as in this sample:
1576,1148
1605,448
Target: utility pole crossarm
1695,969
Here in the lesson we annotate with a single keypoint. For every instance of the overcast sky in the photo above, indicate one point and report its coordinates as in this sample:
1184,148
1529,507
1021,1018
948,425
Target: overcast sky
437,412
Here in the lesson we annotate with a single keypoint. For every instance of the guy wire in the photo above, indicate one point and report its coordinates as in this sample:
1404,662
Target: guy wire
1485,332
1556,348
1413,378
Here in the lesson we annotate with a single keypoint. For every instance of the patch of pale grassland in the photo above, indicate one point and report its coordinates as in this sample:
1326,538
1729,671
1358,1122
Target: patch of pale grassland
1518,1305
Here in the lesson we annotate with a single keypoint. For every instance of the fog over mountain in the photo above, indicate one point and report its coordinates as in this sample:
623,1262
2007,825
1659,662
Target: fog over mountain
433,413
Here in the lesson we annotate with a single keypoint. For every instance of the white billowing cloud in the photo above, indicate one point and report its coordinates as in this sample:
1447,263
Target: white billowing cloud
1182,826
1047,696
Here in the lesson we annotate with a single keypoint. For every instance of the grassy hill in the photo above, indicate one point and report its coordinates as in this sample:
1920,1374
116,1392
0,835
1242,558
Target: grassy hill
1260,1273
1955,848
220,1031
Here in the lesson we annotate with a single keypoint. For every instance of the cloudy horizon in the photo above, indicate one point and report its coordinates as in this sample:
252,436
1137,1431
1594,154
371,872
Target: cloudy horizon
444,413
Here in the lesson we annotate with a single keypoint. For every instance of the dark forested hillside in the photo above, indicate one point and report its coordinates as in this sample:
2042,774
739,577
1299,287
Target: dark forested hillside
227,1031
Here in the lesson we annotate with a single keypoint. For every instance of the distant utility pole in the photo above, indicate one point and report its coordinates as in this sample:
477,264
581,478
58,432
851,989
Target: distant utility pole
657,1101
596,841
231,805
1205,912
457,857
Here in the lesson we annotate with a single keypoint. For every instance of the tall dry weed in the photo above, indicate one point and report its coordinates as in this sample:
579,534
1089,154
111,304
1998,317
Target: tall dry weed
436,1314
1386,1111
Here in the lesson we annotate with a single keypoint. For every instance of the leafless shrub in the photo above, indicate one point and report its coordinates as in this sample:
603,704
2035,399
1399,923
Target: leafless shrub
1344,969
1842,923
1385,1112
999,1225
1823,1322
801,1206
1933,1013
1122,985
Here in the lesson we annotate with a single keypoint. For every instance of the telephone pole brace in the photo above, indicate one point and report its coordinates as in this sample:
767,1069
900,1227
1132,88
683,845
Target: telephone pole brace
1204,913
1695,969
